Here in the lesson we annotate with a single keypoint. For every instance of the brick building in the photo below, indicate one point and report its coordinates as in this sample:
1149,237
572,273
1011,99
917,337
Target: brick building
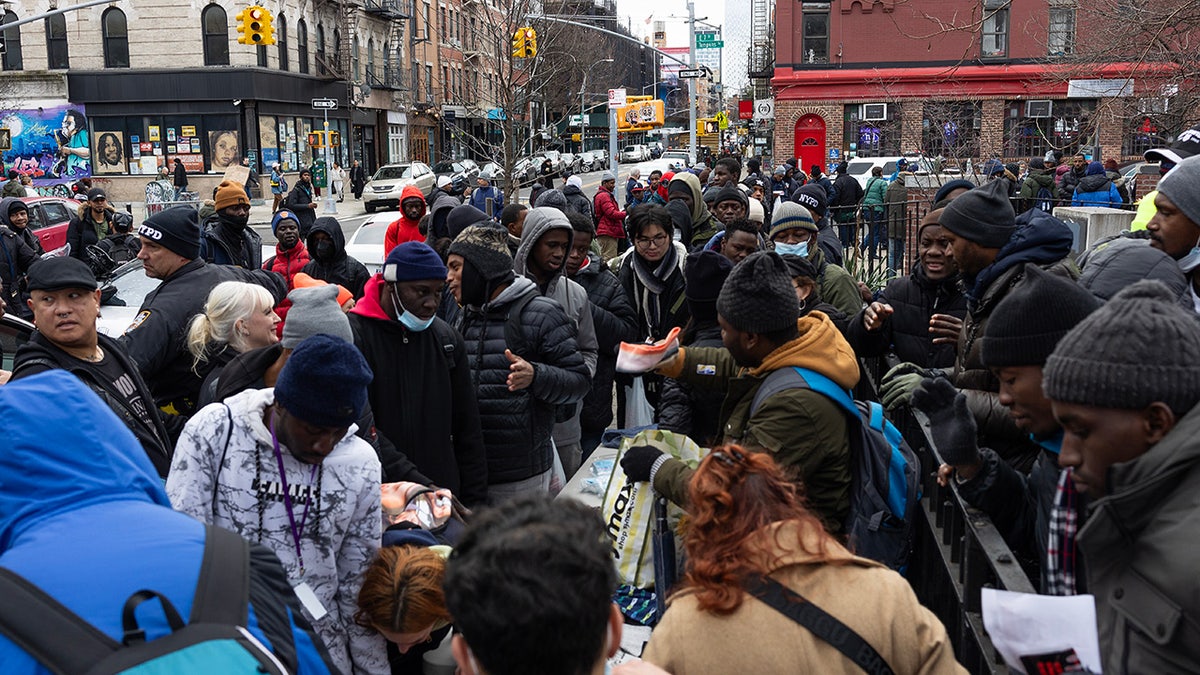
963,79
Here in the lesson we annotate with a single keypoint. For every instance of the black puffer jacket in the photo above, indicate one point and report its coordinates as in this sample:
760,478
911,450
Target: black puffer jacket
615,322
15,261
81,231
577,201
517,425
689,410
339,268
914,298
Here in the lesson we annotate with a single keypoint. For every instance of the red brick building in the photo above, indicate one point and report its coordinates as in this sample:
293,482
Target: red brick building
964,79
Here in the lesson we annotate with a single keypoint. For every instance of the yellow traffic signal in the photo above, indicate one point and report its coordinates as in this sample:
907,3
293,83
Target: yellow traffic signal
335,139
530,43
518,44
254,26
316,139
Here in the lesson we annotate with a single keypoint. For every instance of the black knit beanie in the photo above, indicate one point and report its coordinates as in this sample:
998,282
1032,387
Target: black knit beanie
758,296
1139,348
678,185
704,276
951,186
983,215
176,229
463,216
487,248
812,197
1029,322
731,193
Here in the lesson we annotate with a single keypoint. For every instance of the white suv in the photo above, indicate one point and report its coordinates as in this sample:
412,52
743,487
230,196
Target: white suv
635,153
860,167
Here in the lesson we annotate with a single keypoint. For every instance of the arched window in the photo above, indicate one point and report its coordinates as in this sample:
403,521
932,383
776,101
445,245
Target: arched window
321,50
12,44
356,64
116,38
302,46
57,56
215,25
281,40
387,63
371,60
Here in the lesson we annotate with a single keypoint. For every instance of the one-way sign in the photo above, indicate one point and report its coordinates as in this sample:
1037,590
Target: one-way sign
324,103
691,74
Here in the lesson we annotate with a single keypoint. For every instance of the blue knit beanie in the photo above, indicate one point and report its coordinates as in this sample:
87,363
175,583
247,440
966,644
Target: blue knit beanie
281,216
413,261
1094,169
324,382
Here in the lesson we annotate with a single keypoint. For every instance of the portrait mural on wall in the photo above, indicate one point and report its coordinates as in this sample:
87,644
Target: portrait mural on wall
109,154
224,149
49,143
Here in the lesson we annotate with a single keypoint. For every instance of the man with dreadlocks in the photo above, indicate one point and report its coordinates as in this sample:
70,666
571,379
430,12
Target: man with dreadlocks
282,468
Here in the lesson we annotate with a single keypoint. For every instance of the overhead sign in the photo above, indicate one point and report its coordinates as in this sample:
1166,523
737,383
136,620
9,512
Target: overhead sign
708,41
746,110
616,98
641,115
324,103
764,109
691,74
1099,88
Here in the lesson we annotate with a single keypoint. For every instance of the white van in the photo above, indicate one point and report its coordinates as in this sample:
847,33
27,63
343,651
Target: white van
860,167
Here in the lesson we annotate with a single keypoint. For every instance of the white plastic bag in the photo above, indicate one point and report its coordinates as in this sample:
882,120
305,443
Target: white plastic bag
638,412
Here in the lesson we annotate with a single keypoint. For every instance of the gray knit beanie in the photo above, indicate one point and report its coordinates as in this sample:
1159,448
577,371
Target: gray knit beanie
1029,322
983,215
758,296
1139,348
1179,185
314,310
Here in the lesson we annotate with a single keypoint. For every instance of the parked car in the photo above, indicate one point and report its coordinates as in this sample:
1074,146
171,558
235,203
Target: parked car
676,158
471,165
860,168
1140,178
635,153
366,244
586,161
497,173
525,170
457,172
49,217
570,163
384,188
121,297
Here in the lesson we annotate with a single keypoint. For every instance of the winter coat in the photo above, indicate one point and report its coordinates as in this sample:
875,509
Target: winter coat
24,233
914,299
609,217
689,410
180,176
896,197
440,205
804,430
480,195
1097,190
104,496
157,338
299,200
225,473
1070,180
1119,181
517,424
673,308
870,599
340,268
423,396
1033,183
81,231
875,194
577,201
402,229
223,243
288,262
1041,239
143,419
15,260
13,188
615,322
1139,548
1113,264
835,284
849,194
704,223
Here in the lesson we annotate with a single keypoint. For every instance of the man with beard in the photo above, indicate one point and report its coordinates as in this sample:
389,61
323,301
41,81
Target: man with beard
1175,226
224,237
330,263
408,226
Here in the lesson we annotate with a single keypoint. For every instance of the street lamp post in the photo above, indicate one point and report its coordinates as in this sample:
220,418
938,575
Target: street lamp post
582,110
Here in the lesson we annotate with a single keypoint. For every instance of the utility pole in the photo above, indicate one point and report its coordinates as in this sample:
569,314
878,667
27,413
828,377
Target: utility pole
691,83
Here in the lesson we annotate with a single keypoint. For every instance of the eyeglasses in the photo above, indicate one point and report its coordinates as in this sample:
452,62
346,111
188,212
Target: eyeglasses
648,242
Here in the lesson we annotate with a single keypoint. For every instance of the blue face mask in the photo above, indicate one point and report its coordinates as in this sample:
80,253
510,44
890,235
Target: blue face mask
800,249
1190,261
408,319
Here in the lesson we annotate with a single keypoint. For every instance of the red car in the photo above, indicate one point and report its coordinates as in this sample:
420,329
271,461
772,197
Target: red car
49,217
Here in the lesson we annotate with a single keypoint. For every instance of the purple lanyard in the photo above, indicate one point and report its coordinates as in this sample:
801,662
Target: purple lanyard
287,499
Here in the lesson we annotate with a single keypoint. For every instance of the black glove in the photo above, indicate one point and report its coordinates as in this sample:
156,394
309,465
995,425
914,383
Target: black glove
638,461
951,425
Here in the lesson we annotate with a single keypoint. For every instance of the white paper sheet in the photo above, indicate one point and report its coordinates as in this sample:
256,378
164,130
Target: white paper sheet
1022,624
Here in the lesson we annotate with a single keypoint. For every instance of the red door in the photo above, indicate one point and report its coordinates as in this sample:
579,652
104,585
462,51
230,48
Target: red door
810,141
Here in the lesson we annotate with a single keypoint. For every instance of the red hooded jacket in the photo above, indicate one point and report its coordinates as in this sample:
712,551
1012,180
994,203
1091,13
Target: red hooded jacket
403,229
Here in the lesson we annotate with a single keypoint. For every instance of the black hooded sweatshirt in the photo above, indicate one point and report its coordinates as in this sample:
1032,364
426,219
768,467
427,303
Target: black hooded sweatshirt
336,267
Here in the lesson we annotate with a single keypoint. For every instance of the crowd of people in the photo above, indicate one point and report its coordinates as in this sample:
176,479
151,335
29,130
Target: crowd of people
273,398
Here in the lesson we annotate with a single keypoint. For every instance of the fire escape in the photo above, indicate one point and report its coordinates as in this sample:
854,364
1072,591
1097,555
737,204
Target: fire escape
339,63
761,61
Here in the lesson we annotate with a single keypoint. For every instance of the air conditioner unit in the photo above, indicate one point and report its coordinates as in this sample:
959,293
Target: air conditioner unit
1039,108
874,112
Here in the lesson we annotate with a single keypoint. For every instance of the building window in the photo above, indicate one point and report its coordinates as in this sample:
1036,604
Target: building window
302,46
116,38
12,44
281,41
1031,128
321,70
816,36
371,75
262,55
339,65
429,83
215,25
875,137
1149,126
950,129
416,82
357,59
1061,32
428,16
56,43
443,26
995,34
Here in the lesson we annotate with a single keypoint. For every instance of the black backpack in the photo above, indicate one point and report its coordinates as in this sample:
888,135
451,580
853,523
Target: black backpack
213,640
1044,199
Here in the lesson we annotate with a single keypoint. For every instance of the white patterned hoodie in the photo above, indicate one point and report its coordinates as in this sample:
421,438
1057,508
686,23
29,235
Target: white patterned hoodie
344,526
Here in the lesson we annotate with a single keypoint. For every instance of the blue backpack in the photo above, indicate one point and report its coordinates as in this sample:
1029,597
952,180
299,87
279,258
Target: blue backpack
214,640
884,489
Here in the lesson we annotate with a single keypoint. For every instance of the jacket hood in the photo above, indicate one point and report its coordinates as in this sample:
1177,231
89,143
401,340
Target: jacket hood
1044,178
539,221
571,189
78,454
463,216
520,286
820,347
552,197
333,228
700,212
412,192
6,204
1040,238
1094,183
368,305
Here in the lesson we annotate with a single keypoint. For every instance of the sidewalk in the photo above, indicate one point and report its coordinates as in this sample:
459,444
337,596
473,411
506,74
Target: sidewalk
260,211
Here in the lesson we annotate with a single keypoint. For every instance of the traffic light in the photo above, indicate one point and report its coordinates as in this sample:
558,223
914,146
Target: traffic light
518,44
316,140
530,43
254,26
524,44
707,126
335,139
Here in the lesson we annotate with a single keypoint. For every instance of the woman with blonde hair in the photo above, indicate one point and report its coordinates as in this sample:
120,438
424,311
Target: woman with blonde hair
237,317
402,599
753,546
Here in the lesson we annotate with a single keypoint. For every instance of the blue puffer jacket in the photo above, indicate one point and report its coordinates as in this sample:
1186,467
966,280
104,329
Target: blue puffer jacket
1097,191
84,517
517,424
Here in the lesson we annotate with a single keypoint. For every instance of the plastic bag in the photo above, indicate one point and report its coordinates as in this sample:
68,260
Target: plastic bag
638,412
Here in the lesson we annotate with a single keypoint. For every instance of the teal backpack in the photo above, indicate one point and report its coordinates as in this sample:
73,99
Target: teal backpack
214,640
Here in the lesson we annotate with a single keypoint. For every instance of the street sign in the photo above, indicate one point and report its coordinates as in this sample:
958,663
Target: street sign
745,110
616,98
717,44
764,109
691,74
722,120
708,41
324,104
